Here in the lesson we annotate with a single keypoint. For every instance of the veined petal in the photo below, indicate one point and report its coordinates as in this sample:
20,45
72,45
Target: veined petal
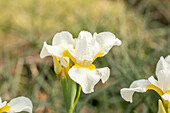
20,104
49,50
63,38
106,41
136,86
85,77
86,47
166,96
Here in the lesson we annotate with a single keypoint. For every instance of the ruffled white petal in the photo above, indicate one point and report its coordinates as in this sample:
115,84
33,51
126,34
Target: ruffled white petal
166,97
106,41
136,86
20,104
104,73
88,78
49,50
63,38
86,47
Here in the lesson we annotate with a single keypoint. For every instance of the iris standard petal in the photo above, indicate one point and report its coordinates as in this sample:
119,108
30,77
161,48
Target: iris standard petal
85,34
136,86
163,73
49,50
162,65
106,41
85,77
20,104
63,38
86,47
163,79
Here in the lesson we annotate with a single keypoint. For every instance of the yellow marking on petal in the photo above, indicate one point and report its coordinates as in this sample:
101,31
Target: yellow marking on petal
6,108
155,88
99,54
91,67
67,54
167,92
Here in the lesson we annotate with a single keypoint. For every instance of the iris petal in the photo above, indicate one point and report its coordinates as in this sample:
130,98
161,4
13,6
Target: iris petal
63,38
106,41
49,50
20,104
136,86
88,78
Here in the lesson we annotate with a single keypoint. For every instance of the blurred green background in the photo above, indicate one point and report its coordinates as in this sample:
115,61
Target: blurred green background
142,25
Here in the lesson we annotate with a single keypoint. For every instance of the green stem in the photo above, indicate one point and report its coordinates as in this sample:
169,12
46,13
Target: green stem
78,96
71,94
70,110
64,89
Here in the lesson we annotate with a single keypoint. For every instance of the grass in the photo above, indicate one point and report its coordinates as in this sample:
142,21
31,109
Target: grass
143,27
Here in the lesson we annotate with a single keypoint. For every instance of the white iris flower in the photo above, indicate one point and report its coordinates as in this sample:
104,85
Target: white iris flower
161,86
60,43
87,49
83,51
16,105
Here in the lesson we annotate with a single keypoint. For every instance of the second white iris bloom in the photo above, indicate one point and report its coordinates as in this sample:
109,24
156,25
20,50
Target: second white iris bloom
161,86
